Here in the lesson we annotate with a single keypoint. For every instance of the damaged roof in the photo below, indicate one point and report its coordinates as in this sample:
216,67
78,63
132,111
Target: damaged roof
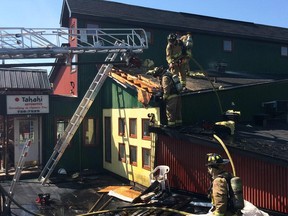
147,85
144,86
162,18
24,79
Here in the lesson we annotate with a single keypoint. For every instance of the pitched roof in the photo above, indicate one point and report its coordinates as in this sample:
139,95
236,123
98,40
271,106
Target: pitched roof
123,13
144,86
24,79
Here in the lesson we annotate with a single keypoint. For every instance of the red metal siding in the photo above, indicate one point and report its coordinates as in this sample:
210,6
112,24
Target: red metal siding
66,83
264,183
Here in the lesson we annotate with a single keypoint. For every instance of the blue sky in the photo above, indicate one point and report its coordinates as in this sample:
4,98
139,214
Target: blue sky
46,13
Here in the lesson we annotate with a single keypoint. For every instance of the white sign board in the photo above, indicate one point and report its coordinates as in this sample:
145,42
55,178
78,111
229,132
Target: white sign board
27,104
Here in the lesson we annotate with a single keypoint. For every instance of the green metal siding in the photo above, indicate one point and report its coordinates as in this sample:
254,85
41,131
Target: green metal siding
89,157
116,96
249,56
248,100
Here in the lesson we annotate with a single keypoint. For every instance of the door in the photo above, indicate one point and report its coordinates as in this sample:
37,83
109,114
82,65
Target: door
25,129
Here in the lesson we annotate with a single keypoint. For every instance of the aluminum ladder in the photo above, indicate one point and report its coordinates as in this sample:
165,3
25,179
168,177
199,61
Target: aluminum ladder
77,118
36,43
18,170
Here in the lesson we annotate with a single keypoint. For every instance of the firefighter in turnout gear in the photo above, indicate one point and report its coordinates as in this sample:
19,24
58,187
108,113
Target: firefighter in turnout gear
175,57
171,88
220,186
187,54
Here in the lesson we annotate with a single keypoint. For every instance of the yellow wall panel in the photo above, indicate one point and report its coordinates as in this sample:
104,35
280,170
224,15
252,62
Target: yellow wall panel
135,172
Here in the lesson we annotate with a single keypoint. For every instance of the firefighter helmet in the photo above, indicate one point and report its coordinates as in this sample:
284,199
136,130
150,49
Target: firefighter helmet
172,37
214,159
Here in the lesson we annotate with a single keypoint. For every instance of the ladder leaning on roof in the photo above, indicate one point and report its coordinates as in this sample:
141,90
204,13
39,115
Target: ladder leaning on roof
77,118
84,105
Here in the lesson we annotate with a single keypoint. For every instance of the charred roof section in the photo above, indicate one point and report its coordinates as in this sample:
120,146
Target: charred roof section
105,10
144,86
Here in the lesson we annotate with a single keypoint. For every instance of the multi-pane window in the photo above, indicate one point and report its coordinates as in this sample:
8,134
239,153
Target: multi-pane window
121,126
227,45
146,158
61,124
133,155
284,51
107,136
74,61
89,131
145,129
133,127
121,152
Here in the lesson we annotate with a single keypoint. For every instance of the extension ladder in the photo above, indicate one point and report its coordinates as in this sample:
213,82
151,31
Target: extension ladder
77,118
18,170
35,43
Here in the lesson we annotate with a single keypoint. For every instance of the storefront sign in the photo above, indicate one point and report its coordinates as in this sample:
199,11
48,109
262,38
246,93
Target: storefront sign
27,104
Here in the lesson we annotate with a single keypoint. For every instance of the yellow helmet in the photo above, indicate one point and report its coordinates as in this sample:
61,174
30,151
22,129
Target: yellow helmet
214,159
172,37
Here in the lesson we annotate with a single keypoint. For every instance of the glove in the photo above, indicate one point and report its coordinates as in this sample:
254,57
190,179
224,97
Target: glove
150,72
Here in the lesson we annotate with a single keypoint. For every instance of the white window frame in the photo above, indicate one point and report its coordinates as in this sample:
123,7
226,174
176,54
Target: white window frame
284,51
74,67
227,45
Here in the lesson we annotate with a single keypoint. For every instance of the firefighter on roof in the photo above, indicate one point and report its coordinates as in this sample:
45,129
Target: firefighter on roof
220,190
187,53
171,88
178,53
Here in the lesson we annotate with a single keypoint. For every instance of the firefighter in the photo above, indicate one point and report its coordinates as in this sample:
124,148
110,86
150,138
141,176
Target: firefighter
187,55
171,88
174,57
219,189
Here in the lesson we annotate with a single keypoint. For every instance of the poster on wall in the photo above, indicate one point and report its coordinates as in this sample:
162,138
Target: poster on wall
27,104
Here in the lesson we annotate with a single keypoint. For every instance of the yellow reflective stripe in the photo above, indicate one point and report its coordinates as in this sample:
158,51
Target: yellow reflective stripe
172,96
217,213
183,82
171,123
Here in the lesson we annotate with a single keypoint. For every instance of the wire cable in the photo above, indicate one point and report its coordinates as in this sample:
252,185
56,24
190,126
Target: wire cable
207,77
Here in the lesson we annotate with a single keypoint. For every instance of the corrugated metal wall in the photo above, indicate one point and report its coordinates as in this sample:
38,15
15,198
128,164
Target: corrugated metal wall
264,183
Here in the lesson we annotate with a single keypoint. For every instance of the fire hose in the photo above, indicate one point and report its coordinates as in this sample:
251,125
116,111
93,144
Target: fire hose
16,203
227,152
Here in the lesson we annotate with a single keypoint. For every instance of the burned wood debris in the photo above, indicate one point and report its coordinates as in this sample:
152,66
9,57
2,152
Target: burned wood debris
101,194
151,201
